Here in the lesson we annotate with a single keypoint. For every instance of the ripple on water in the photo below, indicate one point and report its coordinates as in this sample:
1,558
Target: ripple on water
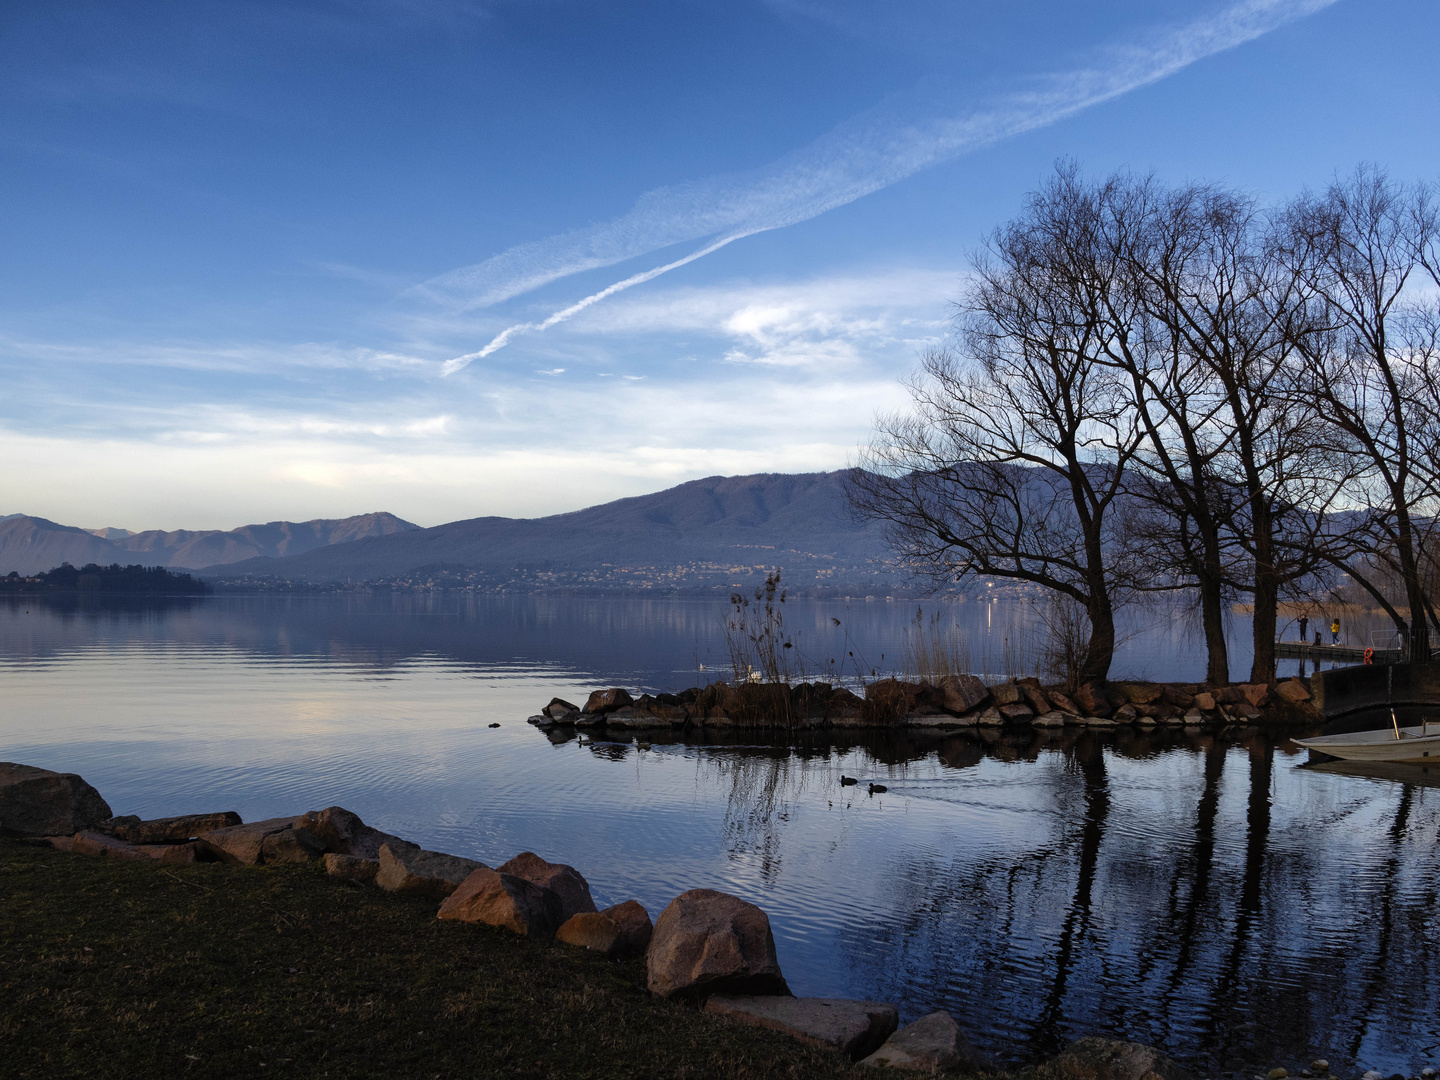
1208,897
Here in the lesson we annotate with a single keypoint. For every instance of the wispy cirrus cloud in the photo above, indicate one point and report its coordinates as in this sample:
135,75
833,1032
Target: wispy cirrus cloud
863,155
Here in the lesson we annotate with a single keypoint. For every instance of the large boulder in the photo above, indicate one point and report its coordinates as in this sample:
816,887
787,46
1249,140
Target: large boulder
294,845
344,833
1111,1059
1141,693
1006,693
1037,699
405,868
636,929
38,802
245,844
707,942
1254,693
961,693
855,1028
619,932
1292,691
105,846
559,709
170,830
1092,700
351,868
564,881
631,718
1177,696
931,1043
496,899
591,930
1061,702
606,701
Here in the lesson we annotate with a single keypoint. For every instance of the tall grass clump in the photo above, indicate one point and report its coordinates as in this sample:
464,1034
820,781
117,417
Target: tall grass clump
934,649
1062,632
762,654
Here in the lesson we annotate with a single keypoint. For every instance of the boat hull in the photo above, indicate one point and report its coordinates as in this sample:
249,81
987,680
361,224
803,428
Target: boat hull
1416,745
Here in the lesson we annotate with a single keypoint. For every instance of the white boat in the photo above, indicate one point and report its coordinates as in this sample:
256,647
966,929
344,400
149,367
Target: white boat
1417,745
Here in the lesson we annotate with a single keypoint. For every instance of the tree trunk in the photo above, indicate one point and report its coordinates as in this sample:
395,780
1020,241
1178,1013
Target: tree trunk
1267,593
1101,650
1212,618
1419,629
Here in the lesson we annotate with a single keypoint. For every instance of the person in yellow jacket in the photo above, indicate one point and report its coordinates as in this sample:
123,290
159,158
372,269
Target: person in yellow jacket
1335,632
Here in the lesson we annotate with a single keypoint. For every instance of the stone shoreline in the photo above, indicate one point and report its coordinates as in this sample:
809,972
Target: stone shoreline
956,701
708,949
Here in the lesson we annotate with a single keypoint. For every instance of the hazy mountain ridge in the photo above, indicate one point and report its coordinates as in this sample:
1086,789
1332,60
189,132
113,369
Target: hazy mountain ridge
710,533
30,545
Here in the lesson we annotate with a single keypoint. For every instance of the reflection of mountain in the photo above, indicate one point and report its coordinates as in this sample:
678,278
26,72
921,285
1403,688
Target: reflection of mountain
30,545
712,533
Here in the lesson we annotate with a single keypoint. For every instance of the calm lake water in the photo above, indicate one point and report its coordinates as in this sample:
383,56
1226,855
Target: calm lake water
1211,897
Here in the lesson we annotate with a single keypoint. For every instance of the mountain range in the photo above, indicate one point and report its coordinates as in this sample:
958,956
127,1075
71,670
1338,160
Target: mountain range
718,532
715,533
29,545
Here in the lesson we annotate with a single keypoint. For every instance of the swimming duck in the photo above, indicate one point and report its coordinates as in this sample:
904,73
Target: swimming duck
878,789
848,781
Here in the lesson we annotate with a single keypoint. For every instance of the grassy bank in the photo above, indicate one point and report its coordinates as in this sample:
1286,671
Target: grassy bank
122,969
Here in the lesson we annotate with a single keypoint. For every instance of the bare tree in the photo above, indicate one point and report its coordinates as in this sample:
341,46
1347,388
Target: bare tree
1144,232
1015,454
1246,466
1361,247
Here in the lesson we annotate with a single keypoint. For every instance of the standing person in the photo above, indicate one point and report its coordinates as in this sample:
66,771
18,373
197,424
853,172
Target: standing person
1304,622
1335,632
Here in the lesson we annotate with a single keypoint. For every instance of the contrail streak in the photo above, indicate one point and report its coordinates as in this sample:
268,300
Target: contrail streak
863,155
503,338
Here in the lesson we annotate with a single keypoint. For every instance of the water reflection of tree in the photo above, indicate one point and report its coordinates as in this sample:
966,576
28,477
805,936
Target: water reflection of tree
1221,946
762,783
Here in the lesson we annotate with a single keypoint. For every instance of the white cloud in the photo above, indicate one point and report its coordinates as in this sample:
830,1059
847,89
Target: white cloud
832,323
537,449
779,376
216,357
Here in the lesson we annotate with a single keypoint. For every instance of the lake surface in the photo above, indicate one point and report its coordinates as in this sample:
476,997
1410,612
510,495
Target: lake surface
1211,897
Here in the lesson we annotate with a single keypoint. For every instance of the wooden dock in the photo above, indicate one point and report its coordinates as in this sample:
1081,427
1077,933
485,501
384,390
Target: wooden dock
1305,650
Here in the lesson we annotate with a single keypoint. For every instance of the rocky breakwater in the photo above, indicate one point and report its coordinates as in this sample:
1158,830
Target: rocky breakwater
955,701
707,949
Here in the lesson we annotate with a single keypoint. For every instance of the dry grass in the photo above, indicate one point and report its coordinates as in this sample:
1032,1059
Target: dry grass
117,969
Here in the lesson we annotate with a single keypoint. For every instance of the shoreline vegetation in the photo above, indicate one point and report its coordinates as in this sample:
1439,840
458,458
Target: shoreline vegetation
311,945
113,579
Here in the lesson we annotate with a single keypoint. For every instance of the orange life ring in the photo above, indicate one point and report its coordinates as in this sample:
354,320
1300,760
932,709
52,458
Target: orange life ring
1369,656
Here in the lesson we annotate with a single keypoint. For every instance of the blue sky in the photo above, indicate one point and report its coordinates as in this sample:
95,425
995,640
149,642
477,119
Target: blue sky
259,260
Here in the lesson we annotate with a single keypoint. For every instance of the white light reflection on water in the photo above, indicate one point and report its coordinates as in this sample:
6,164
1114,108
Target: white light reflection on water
1208,897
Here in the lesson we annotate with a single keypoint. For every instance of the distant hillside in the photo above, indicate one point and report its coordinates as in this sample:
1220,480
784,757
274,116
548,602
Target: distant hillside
29,545
706,534
275,539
